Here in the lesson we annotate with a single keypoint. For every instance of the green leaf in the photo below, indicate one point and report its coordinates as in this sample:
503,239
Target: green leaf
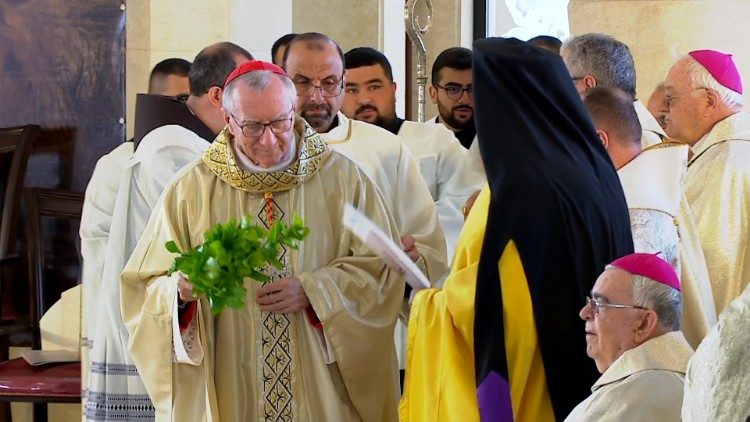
172,247
230,253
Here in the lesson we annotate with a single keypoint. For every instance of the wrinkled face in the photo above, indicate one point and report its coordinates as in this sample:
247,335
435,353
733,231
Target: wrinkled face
611,331
369,95
657,106
686,106
251,108
457,112
314,71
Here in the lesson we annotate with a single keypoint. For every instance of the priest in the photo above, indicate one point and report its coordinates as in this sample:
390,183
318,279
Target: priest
315,343
704,95
660,217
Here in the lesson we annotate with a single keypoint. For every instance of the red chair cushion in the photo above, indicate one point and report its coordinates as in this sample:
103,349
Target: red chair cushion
55,380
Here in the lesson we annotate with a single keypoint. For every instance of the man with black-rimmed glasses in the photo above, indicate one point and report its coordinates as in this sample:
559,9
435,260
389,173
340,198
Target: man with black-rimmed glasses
451,92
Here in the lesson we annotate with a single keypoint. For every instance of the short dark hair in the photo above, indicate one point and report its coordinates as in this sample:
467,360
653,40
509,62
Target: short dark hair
212,66
314,41
173,66
612,110
546,42
458,58
281,42
368,56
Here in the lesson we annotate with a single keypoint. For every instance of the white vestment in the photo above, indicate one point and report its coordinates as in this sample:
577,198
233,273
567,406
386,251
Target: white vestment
440,157
96,221
661,222
390,165
651,132
644,384
718,375
717,187
114,388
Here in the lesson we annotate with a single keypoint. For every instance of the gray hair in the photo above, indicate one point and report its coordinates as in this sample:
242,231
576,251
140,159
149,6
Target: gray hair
604,58
257,81
702,78
665,301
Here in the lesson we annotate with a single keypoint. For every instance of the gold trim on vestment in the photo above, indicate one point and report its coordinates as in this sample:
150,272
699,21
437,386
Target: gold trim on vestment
312,152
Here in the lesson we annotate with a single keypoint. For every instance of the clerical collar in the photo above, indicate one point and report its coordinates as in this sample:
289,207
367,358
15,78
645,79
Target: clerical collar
247,164
394,125
464,136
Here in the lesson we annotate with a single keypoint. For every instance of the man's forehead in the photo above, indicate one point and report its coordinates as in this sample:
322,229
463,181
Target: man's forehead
365,74
457,76
612,280
301,60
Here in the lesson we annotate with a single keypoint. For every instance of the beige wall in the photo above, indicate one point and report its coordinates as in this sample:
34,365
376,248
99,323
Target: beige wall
352,23
659,31
157,30
181,28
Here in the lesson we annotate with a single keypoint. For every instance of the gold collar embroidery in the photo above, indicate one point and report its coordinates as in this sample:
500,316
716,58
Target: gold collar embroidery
312,152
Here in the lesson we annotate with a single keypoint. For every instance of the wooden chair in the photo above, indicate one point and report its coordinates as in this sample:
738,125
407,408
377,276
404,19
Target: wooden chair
52,383
15,147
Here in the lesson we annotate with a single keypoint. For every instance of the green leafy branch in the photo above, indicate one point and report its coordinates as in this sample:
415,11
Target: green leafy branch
232,251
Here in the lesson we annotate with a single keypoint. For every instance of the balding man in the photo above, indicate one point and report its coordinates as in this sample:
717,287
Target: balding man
652,181
600,60
633,335
169,135
316,65
704,94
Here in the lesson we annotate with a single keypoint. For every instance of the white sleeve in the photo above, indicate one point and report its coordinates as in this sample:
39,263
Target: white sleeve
187,344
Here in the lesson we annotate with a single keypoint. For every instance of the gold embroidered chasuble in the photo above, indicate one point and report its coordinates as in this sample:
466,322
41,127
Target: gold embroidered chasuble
267,366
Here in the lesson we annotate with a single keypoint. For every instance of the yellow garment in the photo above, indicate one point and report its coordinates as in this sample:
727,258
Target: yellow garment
266,366
440,376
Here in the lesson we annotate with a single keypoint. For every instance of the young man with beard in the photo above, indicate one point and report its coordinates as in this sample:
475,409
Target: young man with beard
370,96
451,91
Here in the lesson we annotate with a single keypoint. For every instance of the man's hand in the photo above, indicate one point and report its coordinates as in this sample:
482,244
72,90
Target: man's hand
284,296
469,203
185,289
409,247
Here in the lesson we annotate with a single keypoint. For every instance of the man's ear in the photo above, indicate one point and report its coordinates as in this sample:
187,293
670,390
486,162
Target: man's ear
648,326
603,137
712,99
589,82
433,93
225,116
214,96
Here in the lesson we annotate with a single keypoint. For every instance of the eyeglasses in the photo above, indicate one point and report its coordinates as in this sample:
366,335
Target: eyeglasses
327,89
671,99
455,92
597,303
255,129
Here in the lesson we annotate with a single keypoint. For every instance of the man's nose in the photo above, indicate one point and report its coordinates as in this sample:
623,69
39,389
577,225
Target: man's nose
268,138
317,95
585,312
465,98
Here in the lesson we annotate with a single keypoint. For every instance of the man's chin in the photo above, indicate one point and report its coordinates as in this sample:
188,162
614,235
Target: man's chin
319,123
